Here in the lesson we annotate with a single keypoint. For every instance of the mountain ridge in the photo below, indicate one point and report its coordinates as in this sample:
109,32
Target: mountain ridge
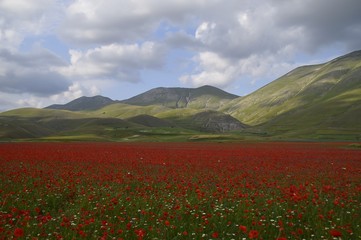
173,97
301,86
315,100
177,97
321,101
84,103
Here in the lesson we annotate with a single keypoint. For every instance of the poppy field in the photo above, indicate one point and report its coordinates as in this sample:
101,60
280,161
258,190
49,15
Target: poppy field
180,191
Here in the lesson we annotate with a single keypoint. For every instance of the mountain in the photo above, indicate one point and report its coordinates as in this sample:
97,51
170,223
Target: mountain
121,110
84,103
21,128
323,99
203,97
100,118
313,102
30,123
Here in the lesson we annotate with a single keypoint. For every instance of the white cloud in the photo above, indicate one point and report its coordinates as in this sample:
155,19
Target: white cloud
109,21
76,90
121,62
6,103
213,69
219,71
261,39
33,72
30,101
20,18
115,40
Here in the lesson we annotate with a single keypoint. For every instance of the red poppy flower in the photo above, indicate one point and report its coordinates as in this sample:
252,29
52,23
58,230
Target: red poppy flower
243,228
18,232
140,233
335,233
253,234
129,226
215,235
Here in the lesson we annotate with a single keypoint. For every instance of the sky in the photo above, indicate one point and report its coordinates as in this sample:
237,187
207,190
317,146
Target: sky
53,51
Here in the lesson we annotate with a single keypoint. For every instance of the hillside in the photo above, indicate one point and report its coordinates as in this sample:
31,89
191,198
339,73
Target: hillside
30,123
213,121
325,98
311,102
21,128
121,110
206,97
150,121
37,113
84,103
101,118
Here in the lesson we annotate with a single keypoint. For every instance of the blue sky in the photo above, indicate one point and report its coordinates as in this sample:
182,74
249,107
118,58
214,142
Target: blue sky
53,51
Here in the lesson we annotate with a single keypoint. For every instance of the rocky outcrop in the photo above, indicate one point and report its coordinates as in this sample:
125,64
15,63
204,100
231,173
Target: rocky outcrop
212,121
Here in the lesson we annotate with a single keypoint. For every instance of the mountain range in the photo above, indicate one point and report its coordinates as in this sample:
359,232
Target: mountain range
316,102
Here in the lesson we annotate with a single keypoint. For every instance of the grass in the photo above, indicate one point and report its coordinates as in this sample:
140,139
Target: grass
123,111
323,90
43,113
72,138
354,146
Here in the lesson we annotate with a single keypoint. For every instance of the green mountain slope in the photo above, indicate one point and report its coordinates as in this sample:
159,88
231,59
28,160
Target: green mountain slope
325,97
84,103
121,110
21,128
27,123
62,125
150,121
43,113
335,118
206,97
311,102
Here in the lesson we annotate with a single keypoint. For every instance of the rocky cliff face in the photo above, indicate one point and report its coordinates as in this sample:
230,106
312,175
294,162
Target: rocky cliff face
213,121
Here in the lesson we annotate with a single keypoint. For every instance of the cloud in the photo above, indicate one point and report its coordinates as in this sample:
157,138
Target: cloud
181,39
106,22
5,103
33,72
76,90
214,70
268,26
121,62
322,22
261,39
220,71
116,40
20,18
